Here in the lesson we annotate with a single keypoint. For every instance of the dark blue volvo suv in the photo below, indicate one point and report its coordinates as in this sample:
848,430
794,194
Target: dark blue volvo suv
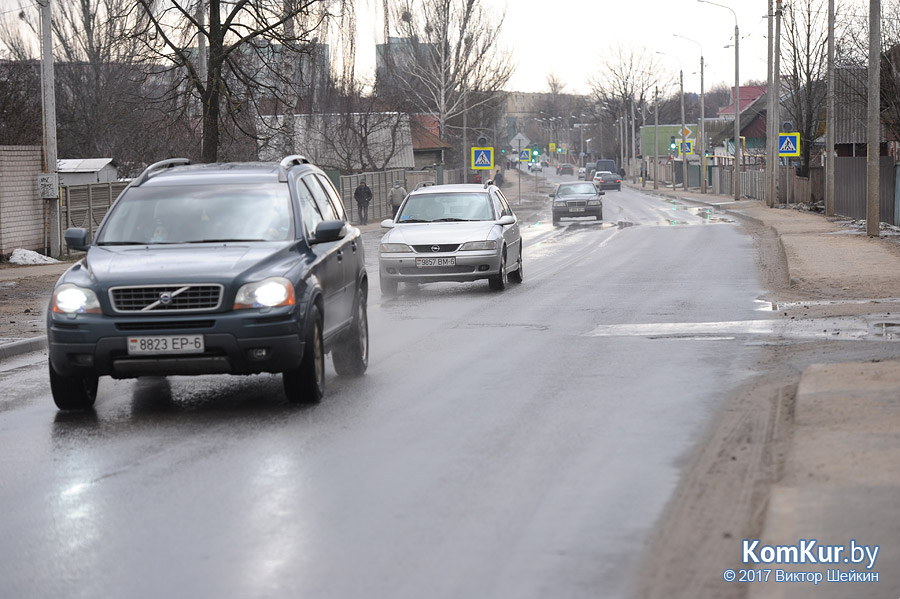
238,268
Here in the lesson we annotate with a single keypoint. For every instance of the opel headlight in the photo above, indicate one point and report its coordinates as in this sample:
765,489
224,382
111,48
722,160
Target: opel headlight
490,244
395,248
268,293
72,299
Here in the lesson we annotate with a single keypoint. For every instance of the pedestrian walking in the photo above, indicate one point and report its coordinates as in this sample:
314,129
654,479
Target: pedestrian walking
363,195
498,178
396,195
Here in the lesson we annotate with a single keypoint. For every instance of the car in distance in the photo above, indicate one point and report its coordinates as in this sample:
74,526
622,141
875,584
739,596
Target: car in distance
609,181
451,233
213,269
565,169
599,174
576,199
582,173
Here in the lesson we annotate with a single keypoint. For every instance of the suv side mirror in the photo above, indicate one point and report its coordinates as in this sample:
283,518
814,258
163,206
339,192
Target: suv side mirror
506,220
600,192
77,239
330,230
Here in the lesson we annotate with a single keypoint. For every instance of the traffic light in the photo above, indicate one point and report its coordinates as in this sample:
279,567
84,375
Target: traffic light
672,145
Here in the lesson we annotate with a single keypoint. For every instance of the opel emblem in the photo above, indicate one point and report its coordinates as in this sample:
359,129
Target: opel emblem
435,248
165,298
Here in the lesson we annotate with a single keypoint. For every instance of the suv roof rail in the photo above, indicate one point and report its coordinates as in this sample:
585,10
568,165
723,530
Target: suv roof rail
422,184
158,166
287,162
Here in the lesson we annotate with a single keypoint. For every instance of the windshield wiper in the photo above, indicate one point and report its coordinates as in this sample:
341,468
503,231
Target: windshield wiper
137,242
414,220
454,220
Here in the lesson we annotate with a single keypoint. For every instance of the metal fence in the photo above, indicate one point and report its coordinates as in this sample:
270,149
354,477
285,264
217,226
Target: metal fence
85,206
381,182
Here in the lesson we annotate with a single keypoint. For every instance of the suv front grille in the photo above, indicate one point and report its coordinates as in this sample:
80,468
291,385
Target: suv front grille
166,298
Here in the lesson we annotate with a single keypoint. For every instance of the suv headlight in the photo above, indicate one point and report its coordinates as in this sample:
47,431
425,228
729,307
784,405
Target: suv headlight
469,246
395,248
72,299
268,293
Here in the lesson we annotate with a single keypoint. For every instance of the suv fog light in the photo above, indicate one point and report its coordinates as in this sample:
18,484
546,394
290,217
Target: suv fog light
484,268
259,353
83,359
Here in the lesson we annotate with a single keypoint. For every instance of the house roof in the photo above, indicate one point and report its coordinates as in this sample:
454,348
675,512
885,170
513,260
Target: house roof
749,95
83,165
423,138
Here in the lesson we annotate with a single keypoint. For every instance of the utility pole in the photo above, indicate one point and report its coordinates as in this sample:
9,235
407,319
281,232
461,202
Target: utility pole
770,111
48,92
633,144
656,138
873,122
776,102
700,125
684,156
829,118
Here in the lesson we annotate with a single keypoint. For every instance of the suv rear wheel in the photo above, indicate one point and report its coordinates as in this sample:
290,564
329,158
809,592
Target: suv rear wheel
306,383
351,356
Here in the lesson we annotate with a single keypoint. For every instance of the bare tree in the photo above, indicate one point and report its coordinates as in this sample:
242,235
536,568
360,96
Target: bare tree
628,76
244,39
456,63
20,103
804,48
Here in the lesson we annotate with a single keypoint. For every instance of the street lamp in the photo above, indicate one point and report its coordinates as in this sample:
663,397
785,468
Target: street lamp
684,169
737,100
702,133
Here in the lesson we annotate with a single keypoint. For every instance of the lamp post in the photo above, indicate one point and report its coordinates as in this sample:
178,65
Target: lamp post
737,100
702,132
684,169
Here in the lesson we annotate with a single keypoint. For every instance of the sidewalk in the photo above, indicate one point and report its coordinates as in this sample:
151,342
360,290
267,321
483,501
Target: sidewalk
841,476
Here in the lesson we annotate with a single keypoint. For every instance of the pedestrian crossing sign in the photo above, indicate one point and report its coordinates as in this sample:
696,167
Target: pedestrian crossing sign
687,147
483,158
788,144
524,155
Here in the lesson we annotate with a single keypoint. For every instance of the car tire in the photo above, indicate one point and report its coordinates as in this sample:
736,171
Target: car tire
499,281
351,356
555,220
600,216
306,383
388,287
74,392
518,275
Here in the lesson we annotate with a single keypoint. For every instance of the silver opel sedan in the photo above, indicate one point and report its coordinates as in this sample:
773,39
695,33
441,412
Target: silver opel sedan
451,233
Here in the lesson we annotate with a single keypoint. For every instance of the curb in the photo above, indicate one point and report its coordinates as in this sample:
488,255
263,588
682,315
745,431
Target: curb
23,346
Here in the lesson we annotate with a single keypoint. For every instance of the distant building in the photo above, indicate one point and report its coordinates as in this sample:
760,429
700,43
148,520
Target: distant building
80,171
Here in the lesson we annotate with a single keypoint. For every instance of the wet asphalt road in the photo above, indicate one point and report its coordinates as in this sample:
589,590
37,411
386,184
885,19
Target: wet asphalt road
499,446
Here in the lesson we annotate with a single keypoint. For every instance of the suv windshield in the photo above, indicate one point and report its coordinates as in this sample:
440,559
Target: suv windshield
200,213
447,207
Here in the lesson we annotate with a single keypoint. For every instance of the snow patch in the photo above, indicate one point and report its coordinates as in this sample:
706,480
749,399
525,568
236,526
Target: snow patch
20,256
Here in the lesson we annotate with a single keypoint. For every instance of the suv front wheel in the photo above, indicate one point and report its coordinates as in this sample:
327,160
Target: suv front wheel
306,383
73,392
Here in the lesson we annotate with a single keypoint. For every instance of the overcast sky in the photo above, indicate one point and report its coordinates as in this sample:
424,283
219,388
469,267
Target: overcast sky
572,38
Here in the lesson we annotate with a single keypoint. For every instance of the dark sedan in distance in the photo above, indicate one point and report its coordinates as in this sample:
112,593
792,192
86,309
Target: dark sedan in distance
609,181
575,200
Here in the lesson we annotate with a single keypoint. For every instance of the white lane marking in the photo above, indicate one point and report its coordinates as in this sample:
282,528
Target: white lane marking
795,329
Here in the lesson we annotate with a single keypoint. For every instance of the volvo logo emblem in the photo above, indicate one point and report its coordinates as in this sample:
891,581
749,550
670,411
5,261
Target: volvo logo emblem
165,298
435,248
